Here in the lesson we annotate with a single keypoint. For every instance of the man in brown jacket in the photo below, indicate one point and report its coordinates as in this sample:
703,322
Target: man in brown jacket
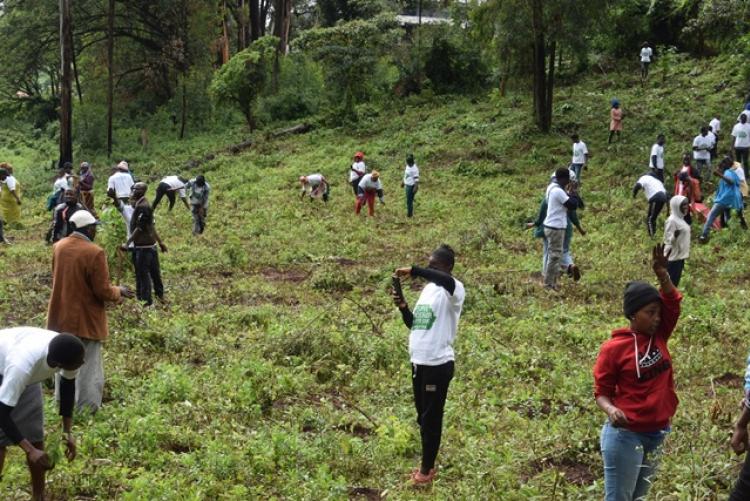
80,291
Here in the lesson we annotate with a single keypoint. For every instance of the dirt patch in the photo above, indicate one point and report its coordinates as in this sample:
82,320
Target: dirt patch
369,493
355,429
345,261
574,471
731,380
177,448
278,275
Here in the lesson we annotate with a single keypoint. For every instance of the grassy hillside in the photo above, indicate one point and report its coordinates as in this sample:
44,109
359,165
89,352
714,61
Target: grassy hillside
279,367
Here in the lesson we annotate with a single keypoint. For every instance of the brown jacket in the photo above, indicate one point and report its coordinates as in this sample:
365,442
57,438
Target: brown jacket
80,288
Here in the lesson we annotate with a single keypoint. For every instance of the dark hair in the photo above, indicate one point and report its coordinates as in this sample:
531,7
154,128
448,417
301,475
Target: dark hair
66,349
445,255
410,159
574,137
562,174
200,180
67,165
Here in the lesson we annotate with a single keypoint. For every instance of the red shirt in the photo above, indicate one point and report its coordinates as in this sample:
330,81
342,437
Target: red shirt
646,395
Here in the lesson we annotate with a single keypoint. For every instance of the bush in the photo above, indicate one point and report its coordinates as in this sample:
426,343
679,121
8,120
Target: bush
299,89
453,64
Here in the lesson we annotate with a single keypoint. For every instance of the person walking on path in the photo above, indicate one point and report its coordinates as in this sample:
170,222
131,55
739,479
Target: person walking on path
86,187
10,197
369,186
59,227
357,171
615,120
80,292
433,325
702,145
559,202
634,385
741,135
28,356
314,185
199,193
656,159
728,196
646,54
656,195
580,158
170,186
677,237
410,183
120,183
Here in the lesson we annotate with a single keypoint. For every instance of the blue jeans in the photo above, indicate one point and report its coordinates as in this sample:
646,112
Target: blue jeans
630,460
716,211
577,168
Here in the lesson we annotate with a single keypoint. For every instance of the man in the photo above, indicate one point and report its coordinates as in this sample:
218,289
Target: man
86,187
10,200
433,326
580,156
646,53
169,186
357,170
656,160
410,183
555,223
315,185
80,291
656,195
741,135
120,182
60,228
368,187
702,145
28,356
199,192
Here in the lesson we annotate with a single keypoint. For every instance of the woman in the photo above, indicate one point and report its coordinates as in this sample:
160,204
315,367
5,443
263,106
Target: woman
433,325
634,386
10,196
615,120
728,196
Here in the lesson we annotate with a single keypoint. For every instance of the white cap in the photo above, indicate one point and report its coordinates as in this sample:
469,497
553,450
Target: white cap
82,218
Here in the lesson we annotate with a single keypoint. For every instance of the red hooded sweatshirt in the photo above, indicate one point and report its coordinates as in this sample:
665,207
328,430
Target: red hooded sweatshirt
635,371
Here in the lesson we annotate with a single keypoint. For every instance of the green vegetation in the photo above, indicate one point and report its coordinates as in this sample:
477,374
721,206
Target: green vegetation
279,369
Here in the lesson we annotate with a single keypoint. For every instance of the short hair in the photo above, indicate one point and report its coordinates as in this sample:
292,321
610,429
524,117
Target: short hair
200,180
66,349
562,174
574,136
445,255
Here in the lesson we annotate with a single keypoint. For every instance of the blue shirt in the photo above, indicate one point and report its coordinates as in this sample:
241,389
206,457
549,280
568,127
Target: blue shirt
729,194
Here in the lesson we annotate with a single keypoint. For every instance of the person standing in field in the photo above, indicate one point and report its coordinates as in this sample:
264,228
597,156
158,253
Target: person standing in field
433,325
646,54
634,385
86,187
199,193
741,135
314,185
656,159
580,158
715,126
702,145
656,195
80,292
410,183
714,141
728,196
745,112
615,120
677,237
10,199
559,202
357,171
60,228
120,183
28,356
368,187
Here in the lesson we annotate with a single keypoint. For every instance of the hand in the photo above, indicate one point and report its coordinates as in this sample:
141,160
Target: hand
163,247
397,299
582,232
125,292
530,225
739,440
70,447
659,260
18,201
124,247
38,457
403,272
617,417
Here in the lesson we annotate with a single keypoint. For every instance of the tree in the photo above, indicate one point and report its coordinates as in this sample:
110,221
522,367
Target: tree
66,105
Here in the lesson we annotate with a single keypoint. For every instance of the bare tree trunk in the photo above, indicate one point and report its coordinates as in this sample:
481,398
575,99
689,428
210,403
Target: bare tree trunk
75,67
110,72
66,108
254,20
241,26
550,85
184,108
539,60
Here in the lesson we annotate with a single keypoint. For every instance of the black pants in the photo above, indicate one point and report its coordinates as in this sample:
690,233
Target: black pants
161,190
355,185
674,269
658,173
146,263
655,205
430,385
741,155
741,490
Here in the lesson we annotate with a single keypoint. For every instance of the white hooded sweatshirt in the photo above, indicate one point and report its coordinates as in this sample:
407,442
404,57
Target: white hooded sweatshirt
676,232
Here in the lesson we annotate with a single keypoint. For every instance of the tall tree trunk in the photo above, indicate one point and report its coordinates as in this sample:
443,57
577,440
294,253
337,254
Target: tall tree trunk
75,66
264,4
241,26
66,108
539,63
110,72
550,85
184,107
254,20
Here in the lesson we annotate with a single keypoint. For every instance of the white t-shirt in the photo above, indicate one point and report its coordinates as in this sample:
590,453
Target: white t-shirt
651,186
702,142
23,361
740,174
435,324
126,210
314,180
657,151
715,125
579,152
10,182
741,133
646,54
60,184
713,138
366,183
121,182
557,213
411,175
359,167
175,184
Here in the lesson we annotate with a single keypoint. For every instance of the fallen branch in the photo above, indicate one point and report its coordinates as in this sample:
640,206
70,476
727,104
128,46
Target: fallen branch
296,129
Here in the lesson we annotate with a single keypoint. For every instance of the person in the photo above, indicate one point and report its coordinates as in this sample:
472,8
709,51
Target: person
59,228
634,385
80,291
120,183
559,202
410,183
737,169
702,145
615,122
739,443
646,53
356,171
741,135
714,142
677,237
368,187
656,195
28,356
10,197
656,160
314,185
745,112
86,187
59,186
433,326
126,210
580,157
727,197
715,126
169,186
199,193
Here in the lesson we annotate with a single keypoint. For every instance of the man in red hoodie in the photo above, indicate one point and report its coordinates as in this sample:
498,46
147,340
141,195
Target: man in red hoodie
633,385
